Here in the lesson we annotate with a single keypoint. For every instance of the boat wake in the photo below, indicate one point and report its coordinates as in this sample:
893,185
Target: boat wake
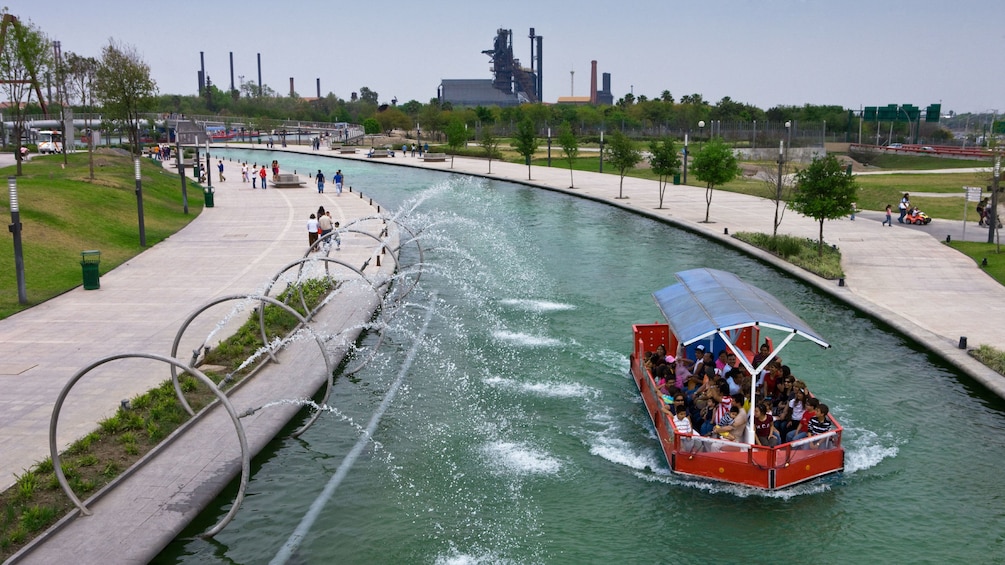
865,449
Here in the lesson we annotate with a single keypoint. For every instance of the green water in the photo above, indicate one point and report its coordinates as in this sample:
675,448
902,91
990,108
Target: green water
519,438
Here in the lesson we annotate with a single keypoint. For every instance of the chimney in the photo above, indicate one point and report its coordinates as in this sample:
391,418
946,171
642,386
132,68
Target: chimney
292,92
319,87
232,71
259,74
593,82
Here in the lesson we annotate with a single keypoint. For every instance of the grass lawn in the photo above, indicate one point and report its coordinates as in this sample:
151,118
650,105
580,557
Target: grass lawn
63,212
980,251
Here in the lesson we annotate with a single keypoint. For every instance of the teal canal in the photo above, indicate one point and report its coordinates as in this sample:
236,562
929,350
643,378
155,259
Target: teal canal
519,438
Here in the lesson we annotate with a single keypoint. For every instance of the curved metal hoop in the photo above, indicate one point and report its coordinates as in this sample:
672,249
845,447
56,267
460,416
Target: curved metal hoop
245,454
218,300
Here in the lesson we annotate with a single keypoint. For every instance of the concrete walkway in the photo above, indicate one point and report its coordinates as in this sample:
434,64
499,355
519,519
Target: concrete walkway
233,248
903,275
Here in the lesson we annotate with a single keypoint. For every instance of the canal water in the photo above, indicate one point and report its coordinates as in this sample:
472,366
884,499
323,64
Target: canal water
518,437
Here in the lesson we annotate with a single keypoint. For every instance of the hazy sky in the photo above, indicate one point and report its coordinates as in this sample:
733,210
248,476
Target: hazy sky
850,53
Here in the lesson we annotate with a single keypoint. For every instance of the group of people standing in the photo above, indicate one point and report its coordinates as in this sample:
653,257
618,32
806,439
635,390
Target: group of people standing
254,173
337,178
320,226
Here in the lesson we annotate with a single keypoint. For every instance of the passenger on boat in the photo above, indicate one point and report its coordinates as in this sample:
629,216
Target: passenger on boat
820,424
676,404
769,378
705,360
683,426
799,431
720,363
737,423
764,433
761,355
793,414
733,378
681,372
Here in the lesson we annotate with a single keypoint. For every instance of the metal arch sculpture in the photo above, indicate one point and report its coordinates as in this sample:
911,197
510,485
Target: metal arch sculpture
396,250
330,369
219,300
245,454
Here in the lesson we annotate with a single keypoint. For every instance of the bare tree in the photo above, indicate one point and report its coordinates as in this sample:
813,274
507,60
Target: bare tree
124,87
24,56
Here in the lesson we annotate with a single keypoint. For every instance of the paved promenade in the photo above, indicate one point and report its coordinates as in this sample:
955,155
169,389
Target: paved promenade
904,275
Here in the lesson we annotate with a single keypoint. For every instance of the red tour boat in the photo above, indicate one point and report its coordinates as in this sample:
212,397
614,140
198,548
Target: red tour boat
717,310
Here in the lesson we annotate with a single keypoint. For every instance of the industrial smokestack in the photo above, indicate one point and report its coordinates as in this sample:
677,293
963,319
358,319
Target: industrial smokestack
202,72
232,71
319,87
259,74
540,69
593,82
292,92
532,50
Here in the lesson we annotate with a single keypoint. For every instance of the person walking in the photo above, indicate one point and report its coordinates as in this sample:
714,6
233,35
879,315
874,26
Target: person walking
325,227
889,216
261,175
338,182
312,231
321,182
275,171
905,205
244,172
219,167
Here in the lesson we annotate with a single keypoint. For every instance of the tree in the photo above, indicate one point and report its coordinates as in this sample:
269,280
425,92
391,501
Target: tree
665,162
24,56
371,126
457,137
80,72
715,164
570,147
622,154
367,95
490,143
391,119
525,141
824,191
123,85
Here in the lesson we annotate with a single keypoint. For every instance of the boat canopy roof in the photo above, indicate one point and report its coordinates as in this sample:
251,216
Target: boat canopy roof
707,301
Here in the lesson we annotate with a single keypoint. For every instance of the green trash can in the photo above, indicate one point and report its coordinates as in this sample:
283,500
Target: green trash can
676,179
89,261
208,192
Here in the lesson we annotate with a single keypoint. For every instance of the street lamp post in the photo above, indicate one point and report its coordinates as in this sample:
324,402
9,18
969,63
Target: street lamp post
181,172
778,192
788,142
993,217
701,133
418,138
209,166
139,200
685,157
549,147
15,228
601,150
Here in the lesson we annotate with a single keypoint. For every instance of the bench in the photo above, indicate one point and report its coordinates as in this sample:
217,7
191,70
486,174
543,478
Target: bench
434,157
346,150
335,147
287,180
379,153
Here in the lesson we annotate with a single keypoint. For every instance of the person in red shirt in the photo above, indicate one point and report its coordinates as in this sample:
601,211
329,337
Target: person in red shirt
804,422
